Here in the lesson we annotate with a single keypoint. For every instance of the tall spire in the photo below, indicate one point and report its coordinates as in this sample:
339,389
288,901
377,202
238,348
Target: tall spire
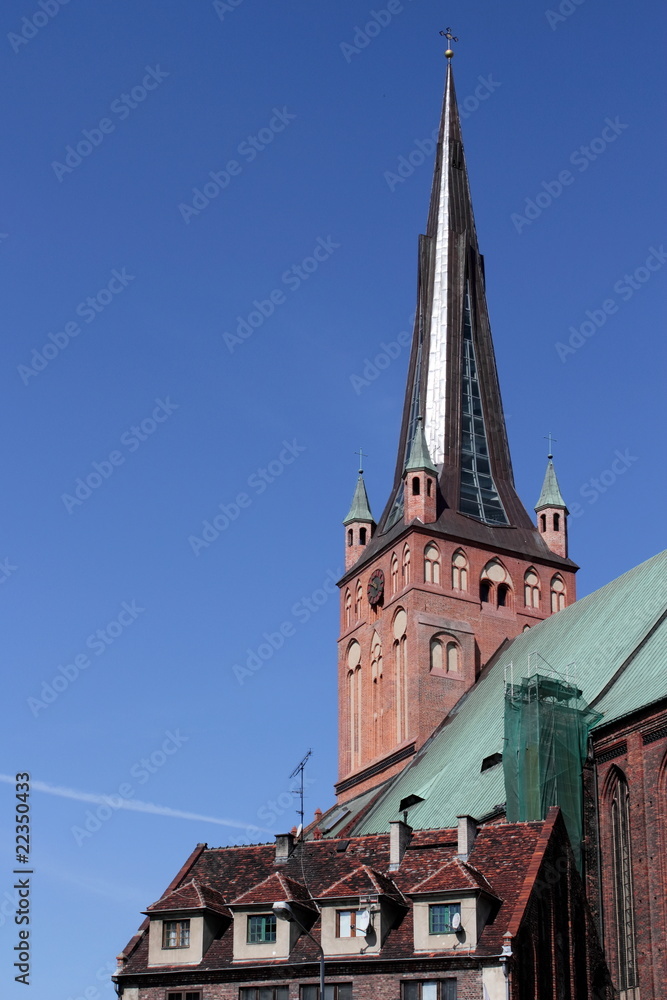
452,378
359,508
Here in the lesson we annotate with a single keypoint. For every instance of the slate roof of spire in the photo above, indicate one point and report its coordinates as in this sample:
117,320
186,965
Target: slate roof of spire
551,495
359,508
452,378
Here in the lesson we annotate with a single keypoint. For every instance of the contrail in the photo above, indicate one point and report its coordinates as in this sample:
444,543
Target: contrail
117,802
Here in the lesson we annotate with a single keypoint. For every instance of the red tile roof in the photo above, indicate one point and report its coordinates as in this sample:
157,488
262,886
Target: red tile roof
502,862
191,896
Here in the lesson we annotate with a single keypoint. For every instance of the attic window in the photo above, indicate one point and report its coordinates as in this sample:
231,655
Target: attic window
334,819
262,928
491,761
441,917
176,934
342,846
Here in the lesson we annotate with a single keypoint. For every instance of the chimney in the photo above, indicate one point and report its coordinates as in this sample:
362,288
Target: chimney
399,838
284,847
467,831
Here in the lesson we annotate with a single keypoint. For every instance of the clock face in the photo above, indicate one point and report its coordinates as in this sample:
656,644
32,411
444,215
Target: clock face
376,587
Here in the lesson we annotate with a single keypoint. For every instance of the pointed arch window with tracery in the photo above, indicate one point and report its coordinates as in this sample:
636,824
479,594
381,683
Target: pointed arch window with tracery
348,608
531,589
432,563
459,570
394,573
354,702
405,568
401,674
495,585
624,906
377,707
558,593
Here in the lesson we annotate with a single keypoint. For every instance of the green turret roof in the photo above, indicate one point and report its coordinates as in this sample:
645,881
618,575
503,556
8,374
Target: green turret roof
551,495
419,457
359,509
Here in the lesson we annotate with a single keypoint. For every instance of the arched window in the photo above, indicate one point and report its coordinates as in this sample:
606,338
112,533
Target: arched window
354,701
526,628
557,593
377,706
401,674
436,655
394,573
406,566
350,536
432,563
459,570
504,595
452,656
358,601
556,522
415,486
624,907
531,589
543,521
362,536
348,608
429,485
495,581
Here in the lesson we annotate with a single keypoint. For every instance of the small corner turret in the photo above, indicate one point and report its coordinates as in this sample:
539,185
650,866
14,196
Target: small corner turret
359,523
420,481
552,513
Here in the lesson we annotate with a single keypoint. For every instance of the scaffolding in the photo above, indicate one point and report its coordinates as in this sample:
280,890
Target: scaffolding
547,723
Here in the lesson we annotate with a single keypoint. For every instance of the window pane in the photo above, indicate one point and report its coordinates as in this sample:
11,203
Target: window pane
345,991
247,993
429,991
344,923
310,992
282,993
261,928
448,990
410,991
266,993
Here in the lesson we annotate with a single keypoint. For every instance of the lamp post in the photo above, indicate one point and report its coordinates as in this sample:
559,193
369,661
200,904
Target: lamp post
284,911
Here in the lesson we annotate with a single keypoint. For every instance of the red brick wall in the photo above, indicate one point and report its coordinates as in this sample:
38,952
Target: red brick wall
430,697
639,748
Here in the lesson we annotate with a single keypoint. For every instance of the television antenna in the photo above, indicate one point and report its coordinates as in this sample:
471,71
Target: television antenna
298,771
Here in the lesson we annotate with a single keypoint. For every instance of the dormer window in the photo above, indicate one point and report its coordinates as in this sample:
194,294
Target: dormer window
176,934
441,918
346,924
261,928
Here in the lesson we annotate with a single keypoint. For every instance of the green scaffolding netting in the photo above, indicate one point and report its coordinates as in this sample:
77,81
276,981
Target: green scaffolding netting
546,734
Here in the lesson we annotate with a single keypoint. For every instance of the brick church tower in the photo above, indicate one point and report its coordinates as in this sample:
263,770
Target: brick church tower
455,566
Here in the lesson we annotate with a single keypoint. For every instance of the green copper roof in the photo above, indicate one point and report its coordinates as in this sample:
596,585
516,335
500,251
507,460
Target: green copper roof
359,510
419,457
551,495
611,644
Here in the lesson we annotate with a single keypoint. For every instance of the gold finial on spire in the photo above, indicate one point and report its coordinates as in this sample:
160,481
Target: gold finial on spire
447,33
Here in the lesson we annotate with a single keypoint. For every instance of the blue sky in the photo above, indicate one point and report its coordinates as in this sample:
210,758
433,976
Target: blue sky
196,357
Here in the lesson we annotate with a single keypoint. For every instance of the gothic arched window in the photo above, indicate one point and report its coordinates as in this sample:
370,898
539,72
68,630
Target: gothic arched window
354,701
624,907
406,566
436,654
358,600
394,573
459,570
350,536
377,707
531,589
452,656
348,608
401,674
557,593
432,563
495,582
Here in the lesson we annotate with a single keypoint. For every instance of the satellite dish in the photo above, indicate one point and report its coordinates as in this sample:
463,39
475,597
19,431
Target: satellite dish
363,920
456,922
299,831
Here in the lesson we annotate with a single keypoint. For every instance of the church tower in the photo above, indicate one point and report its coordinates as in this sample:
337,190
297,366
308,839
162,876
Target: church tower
455,566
